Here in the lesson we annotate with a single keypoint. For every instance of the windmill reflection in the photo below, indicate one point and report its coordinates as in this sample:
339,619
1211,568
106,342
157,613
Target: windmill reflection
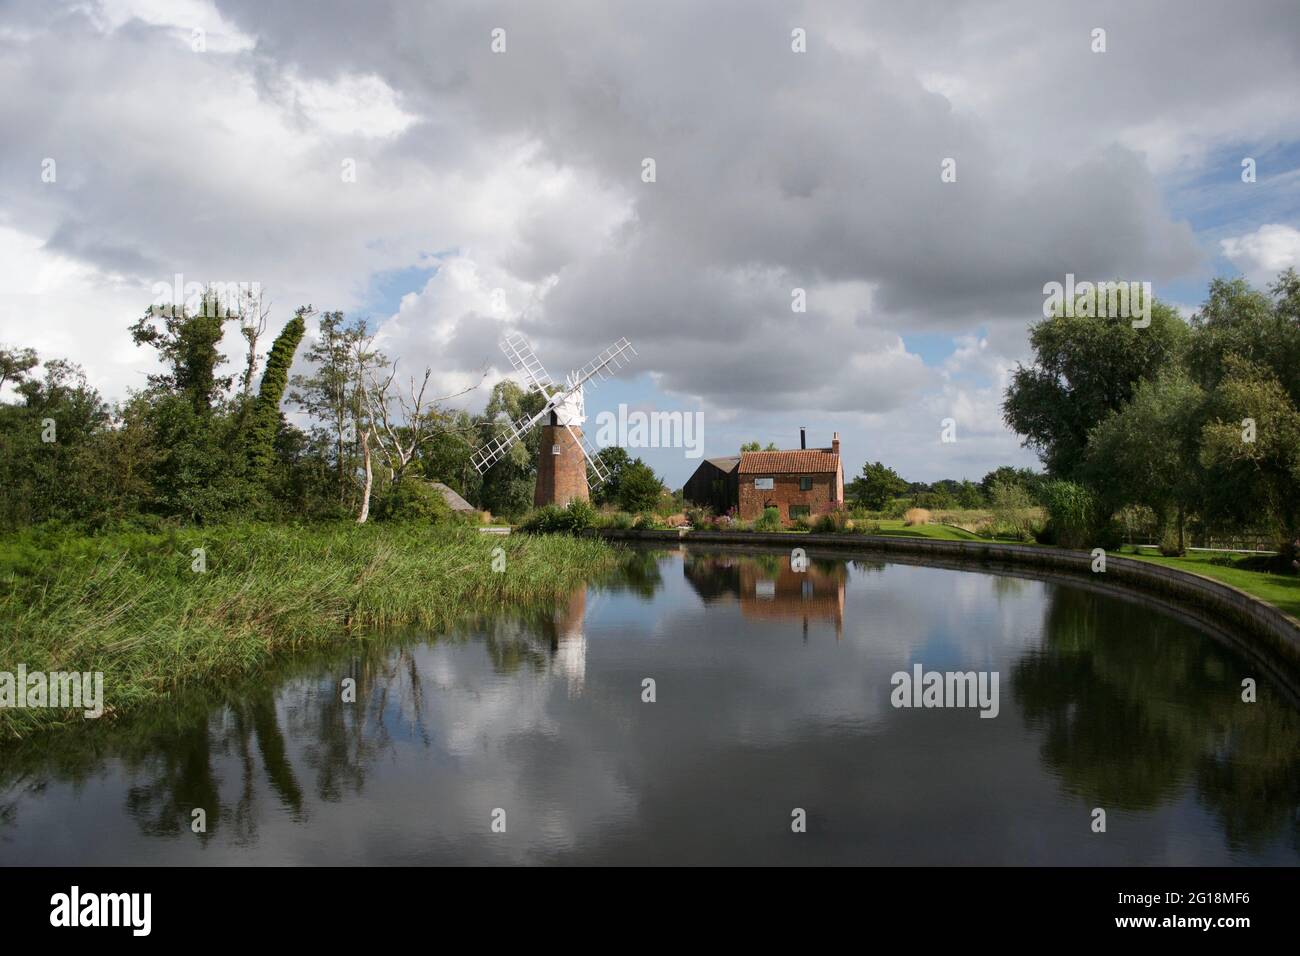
564,632
768,588
547,640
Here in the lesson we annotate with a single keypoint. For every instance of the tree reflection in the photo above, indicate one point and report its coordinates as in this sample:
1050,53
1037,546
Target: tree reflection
1133,707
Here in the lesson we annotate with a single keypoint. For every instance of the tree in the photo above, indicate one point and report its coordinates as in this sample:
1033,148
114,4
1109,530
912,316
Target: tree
15,364
1146,452
401,433
968,495
1236,320
876,486
447,455
1083,369
1026,478
252,324
52,446
187,345
331,396
754,446
639,487
1010,502
614,461
508,486
1253,442
265,418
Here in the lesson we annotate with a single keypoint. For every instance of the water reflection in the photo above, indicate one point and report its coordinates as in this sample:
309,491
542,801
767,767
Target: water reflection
1130,712
1106,703
769,587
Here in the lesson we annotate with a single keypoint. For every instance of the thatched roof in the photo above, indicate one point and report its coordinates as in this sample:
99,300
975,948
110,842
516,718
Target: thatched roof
454,501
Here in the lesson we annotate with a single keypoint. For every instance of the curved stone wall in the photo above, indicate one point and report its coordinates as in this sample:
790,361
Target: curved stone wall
1278,633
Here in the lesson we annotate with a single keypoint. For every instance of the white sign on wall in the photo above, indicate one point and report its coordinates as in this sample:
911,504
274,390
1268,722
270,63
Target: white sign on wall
763,483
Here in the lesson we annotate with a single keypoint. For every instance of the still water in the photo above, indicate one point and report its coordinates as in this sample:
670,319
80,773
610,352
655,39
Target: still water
772,693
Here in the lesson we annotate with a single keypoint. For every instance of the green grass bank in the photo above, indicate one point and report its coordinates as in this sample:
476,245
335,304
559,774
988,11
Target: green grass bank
1280,590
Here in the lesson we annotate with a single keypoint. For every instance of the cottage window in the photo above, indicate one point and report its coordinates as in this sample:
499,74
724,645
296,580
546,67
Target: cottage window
799,511
763,483
805,484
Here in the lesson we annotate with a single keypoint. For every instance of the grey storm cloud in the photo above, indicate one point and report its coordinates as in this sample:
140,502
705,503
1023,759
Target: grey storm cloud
775,170
801,168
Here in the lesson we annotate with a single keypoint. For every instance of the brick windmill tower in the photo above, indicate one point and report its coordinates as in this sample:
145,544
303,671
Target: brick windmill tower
564,457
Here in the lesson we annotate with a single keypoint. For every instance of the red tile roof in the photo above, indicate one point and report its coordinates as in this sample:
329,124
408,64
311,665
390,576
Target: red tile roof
799,462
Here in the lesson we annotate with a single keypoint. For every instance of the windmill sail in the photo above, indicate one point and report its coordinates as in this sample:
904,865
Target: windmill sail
614,357
526,362
496,448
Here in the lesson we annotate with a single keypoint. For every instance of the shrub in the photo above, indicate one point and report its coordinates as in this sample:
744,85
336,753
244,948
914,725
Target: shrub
619,519
547,519
895,509
1013,514
412,499
1138,523
582,514
552,519
833,521
648,521
1071,512
770,520
932,500
1110,537
916,516
699,517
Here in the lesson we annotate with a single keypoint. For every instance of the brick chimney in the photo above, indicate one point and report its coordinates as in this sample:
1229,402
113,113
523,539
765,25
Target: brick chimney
835,443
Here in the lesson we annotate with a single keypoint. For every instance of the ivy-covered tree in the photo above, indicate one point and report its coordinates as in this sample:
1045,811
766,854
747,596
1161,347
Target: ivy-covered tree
187,345
264,421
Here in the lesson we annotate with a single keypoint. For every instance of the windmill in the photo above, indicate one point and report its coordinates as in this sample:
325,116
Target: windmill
565,457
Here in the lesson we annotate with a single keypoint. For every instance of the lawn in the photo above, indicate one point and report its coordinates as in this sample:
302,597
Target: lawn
1282,591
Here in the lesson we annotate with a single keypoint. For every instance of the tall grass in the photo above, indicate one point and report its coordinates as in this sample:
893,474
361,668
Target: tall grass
132,606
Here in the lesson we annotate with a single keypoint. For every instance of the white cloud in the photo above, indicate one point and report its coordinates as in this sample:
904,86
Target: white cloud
1262,254
521,172
352,105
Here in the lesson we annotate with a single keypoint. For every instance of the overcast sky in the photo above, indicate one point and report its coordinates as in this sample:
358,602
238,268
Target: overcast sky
522,171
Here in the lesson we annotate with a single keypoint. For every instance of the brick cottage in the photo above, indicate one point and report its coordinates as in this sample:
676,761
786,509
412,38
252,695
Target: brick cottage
802,483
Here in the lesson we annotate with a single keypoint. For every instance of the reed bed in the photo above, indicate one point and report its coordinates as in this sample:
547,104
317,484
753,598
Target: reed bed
134,607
